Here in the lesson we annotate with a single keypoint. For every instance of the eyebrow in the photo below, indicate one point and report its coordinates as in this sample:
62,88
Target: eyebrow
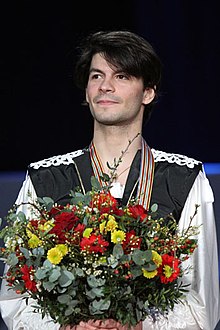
95,70
100,71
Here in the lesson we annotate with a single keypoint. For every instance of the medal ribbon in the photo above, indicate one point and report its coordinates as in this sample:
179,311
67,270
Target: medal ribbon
146,172
146,175
96,163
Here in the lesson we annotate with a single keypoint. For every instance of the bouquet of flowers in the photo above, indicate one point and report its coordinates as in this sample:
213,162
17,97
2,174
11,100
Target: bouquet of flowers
95,259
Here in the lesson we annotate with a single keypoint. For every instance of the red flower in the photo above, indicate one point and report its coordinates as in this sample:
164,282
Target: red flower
79,228
75,237
131,241
104,202
138,211
34,223
169,270
55,210
95,243
64,223
29,284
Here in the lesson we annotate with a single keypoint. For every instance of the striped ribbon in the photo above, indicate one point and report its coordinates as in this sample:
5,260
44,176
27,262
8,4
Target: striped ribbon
146,172
96,163
146,175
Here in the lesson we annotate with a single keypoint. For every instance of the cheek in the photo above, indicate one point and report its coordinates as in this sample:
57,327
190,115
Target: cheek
136,97
90,93
87,98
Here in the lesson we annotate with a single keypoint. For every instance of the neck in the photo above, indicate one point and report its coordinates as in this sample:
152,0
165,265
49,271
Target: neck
112,144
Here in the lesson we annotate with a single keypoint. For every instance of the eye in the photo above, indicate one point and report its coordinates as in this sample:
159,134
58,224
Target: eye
95,76
122,76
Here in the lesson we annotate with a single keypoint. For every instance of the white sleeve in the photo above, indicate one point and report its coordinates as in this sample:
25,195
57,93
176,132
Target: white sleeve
16,314
201,309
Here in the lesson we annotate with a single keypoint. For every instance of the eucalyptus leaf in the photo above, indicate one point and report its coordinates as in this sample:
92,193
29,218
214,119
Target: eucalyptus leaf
141,257
54,275
95,183
87,199
136,271
21,216
49,286
90,294
12,259
61,290
112,261
118,251
47,202
74,302
69,311
41,273
64,299
95,292
79,272
39,251
78,199
95,282
125,258
47,264
66,278
98,306
25,252
72,292
150,266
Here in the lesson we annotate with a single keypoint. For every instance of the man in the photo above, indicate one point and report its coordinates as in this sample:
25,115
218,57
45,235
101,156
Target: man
120,73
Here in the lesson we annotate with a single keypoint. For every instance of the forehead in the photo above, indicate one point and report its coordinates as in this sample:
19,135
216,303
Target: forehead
100,63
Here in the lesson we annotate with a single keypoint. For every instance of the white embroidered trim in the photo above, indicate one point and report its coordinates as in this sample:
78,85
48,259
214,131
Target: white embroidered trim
162,156
57,160
159,156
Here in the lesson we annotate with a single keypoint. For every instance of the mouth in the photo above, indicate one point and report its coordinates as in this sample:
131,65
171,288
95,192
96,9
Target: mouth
106,102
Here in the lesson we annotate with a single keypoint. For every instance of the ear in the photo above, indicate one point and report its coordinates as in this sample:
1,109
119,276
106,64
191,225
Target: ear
149,95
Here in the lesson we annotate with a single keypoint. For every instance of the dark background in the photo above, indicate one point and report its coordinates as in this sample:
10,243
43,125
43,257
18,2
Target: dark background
40,108
41,112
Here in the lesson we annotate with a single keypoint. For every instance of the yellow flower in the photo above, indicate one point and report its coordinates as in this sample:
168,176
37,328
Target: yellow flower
157,259
87,232
102,227
168,271
34,241
104,215
148,274
117,236
54,255
63,249
28,230
46,226
111,224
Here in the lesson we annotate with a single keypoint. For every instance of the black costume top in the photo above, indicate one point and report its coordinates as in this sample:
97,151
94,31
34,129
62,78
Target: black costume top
174,176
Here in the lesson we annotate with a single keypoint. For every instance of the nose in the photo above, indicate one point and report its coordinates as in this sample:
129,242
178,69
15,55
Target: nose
106,85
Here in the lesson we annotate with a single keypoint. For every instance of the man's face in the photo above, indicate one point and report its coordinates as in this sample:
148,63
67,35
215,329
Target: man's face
114,97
